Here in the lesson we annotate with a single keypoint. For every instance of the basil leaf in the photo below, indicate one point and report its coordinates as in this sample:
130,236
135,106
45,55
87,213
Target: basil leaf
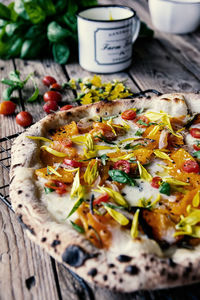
75,207
57,33
48,190
35,13
197,154
20,9
165,188
16,48
4,12
61,53
77,227
71,21
138,133
121,176
48,7
113,206
104,158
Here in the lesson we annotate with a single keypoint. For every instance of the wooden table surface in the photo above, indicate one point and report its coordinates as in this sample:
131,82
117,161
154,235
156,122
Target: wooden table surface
166,63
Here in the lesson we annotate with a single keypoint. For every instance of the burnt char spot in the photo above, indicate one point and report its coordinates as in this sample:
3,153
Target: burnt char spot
187,271
69,113
132,101
163,272
172,276
19,192
105,277
92,272
147,268
43,239
120,280
132,270
25,226
55,243
111,265
172,263
76,256
16,165
20,205
124,258
30,282
97,109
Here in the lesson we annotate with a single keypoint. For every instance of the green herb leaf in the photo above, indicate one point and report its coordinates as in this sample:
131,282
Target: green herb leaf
4,12
133,147
142,123
77,227
197,154
104,158
35,13
113,206
61,53
121,176
75,207
57,33
48,190
35,94
165,188
8,92
138,133
103,138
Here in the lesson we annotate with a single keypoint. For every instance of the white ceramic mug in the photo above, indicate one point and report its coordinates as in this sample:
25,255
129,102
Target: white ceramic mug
106,34
175,16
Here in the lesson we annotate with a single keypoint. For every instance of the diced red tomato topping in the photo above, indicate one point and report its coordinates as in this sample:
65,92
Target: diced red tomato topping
59,187
72,163
123,165
128,114
66,107
156,182
196,147
195,132
101,198
142,121
191,166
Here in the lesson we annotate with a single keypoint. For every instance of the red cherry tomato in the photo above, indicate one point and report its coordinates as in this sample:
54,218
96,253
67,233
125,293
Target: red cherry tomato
7,108
101,198
50,106
191,166
156,182
195,132
48,80
196,147
128,114
24,119
72,163
52,96
142,121
123,165
58,186
56,86
66,142
66,107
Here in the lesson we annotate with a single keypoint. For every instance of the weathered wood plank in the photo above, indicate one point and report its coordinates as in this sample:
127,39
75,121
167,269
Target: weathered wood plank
25,270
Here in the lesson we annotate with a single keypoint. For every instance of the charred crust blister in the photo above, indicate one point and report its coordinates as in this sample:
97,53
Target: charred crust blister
132,270
25,226
55,243
124,258
75,256
93,272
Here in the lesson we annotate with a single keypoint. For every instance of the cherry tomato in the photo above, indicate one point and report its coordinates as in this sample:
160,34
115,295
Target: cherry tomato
24,118
123,165
102,198
156,182
7,108
56,86
66,107
196,147
191,166
48,80
67,142
128,114
142,121
58,186
50,106
195,132
72,163
52,96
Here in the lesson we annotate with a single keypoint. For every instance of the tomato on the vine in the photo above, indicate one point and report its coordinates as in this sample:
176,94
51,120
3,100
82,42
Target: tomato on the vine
191,166
128,114
195,132
24,119
56,86
48,80
7,108
50,107
66,107
122,165
52,96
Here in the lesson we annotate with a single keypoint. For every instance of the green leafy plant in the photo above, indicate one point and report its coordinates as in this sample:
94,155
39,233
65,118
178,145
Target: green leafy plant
27,27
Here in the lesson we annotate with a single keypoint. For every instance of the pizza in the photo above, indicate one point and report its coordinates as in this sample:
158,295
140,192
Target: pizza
111,190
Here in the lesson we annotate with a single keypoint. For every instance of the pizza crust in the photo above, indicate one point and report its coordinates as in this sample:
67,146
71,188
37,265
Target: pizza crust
126,273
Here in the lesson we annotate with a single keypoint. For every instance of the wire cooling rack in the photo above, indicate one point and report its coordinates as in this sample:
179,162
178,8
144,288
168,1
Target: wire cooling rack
5,155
